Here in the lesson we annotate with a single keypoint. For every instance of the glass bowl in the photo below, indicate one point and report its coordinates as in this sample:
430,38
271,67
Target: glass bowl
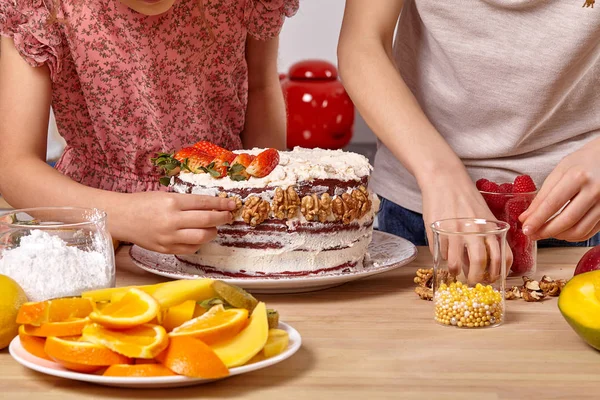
56,252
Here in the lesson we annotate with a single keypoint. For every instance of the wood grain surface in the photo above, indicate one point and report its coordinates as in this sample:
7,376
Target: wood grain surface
375,339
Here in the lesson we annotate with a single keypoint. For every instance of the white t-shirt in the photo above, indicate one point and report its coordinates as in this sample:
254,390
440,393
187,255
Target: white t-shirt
512,85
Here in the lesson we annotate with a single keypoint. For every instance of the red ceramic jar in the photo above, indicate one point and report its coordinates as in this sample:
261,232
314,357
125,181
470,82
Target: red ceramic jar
320,112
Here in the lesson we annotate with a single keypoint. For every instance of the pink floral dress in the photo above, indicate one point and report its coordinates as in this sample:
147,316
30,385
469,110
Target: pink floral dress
126,85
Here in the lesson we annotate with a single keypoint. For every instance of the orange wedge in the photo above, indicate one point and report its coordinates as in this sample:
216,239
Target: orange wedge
177,315
58,310
193,358
198,310
33,344
144,341
217,324
139,370
135,308
72,327
77,355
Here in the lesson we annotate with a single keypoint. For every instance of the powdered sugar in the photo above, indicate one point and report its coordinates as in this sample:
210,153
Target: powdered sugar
46,267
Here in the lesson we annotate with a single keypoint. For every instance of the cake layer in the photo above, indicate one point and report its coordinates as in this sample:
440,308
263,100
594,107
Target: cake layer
315,237
276,262
333,187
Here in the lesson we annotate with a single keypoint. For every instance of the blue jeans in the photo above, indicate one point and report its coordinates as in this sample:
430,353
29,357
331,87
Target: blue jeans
408,224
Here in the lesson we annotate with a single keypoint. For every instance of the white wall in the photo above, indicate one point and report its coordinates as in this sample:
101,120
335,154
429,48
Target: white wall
313,33
56,143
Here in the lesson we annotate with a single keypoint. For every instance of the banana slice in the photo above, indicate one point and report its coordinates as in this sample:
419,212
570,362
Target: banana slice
235,296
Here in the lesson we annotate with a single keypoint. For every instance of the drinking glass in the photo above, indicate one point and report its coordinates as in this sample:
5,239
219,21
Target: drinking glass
469,272
507,207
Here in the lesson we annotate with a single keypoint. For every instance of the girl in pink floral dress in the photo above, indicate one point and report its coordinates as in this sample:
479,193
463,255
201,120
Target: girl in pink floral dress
127,79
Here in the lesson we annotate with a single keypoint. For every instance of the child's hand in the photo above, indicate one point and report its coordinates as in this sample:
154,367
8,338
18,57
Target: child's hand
576,179
172,223
457,197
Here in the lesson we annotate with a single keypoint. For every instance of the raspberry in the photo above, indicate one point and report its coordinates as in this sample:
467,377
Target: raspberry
519,242
488,186
480,183
515,207
524,184
495,202
506,188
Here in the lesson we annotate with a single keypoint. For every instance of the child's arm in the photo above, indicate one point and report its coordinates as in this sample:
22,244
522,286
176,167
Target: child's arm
165,222
384,100
265,116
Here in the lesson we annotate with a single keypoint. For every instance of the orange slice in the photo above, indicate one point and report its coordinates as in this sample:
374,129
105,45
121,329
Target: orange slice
193,358
58,310
144,341
77,355
177,315
33,344
73,327
215,325
135,308
140,370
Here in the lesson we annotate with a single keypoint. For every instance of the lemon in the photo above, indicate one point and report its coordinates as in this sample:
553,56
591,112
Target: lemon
12,297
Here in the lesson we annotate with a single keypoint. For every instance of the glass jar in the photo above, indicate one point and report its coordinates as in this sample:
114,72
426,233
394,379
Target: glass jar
507,207
469,272
56,251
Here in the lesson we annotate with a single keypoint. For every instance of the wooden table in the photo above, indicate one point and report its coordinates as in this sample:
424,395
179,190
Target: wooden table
374,339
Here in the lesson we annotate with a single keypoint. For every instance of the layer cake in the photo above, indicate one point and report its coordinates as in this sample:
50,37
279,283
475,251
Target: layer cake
311,214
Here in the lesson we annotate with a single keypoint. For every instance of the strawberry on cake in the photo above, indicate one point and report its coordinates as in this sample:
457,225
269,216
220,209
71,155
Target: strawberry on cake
300,212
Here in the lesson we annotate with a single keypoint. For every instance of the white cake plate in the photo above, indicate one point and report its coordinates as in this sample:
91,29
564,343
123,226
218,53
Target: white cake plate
386,252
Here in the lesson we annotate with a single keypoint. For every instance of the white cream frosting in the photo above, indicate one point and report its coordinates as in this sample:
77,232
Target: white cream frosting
295,166
251,261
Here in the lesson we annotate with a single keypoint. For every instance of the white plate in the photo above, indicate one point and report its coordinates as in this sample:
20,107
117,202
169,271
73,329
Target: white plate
386,252
27,359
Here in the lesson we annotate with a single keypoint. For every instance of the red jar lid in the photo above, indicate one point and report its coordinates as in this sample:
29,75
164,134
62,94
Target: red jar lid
313,69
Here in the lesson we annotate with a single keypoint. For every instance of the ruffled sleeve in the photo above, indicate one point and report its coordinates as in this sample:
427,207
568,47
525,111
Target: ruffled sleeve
37,38
264,18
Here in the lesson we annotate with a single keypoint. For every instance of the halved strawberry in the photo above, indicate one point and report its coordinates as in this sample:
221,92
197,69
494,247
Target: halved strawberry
193,160
221,163
264,163
244,159
209,148
237,171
